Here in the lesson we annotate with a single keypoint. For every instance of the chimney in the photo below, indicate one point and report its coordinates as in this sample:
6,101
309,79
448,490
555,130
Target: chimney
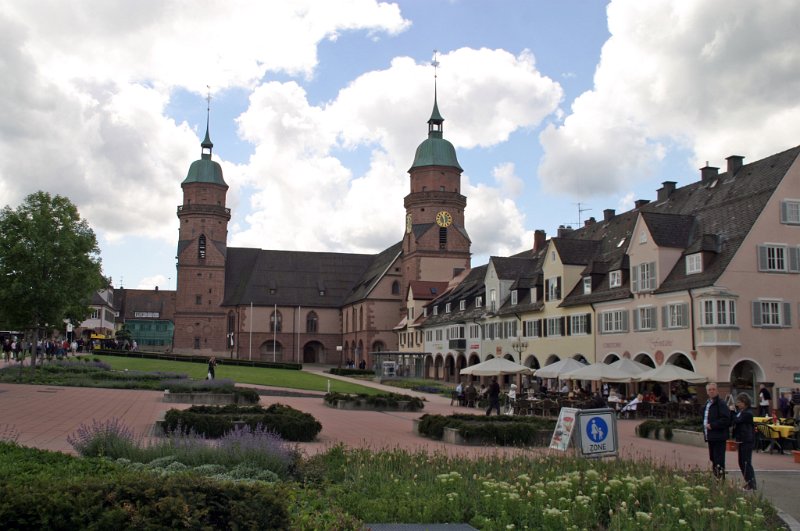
588,222
539,239
608,214
708,173
640,202
666,190
735,163
564,231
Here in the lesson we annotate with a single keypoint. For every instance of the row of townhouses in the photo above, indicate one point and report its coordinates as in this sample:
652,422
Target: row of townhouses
705,277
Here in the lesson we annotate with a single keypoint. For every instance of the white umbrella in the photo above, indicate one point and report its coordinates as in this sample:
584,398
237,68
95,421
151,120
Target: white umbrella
670,373
496,367
559,368
630,366
599,371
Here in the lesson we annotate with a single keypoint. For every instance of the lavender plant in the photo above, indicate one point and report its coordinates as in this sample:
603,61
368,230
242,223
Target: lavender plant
110,438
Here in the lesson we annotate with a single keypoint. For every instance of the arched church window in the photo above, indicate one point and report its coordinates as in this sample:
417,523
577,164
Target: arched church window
311,322
395,288
201,247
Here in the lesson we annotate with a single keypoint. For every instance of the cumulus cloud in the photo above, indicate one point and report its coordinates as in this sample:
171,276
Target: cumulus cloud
494,222
715,77
300,181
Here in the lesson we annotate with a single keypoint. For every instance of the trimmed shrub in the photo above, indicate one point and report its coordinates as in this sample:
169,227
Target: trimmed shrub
141,501
351,372
381,401
213,421
504,430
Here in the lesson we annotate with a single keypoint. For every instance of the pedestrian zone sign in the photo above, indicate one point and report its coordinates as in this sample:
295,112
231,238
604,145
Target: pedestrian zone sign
597,429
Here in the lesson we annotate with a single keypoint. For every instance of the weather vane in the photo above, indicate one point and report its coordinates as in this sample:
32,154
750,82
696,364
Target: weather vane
435,63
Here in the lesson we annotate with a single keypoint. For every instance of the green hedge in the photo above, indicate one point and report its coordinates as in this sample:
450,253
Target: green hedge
215,421
663,428
504,430
50,490
381,401
352,372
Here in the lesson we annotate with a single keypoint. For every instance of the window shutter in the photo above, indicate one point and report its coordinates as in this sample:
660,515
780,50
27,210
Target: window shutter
787,314
568,321
762,258
684,309
636,320
654,317
635,279
547,290
651,276
558,287
665,317
588,323
784,212
756,313
794,259
563,325
625,320
544,327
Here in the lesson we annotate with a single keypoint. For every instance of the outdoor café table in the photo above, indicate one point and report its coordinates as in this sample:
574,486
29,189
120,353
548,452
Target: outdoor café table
781,431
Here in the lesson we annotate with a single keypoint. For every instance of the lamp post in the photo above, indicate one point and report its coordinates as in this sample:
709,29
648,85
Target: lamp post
519,346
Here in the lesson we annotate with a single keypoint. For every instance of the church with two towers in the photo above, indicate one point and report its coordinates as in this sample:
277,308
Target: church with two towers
312,307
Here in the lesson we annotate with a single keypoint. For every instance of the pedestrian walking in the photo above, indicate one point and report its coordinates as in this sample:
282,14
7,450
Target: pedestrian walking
716,421
744,434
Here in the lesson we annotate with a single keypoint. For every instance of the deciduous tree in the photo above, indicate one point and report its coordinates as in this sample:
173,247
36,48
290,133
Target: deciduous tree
49,264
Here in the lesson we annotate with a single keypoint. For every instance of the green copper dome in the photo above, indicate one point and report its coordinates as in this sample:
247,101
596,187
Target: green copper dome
205,170
435,150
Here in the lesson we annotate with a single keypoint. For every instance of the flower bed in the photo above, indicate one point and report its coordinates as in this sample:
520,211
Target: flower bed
503,430
212,421
381,402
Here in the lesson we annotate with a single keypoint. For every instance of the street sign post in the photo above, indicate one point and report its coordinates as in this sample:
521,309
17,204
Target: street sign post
597,429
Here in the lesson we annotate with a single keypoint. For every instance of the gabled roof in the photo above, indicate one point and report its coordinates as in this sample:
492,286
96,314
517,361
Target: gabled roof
374,273
291,278
511,268
129,302
425,290
726,208
471,287
573,251
669,230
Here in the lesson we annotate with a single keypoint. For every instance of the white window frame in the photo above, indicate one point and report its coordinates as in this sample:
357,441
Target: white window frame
614,322
587,285
456,332
429,335
553,285
435,310
643,278
478,301
529,329
462,305
645,319
577,325
554,327
474,331
790,211
718,312
675,316
694,263
778,311
439,335
447,308
615,279
514,297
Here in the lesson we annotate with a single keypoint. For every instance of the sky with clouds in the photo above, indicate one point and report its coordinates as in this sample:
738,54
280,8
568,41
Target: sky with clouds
318,106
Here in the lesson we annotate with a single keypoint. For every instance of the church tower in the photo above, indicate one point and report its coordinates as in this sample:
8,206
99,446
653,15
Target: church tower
436,246
202,248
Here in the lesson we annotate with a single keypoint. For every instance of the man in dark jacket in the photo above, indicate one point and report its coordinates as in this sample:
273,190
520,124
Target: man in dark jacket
743,432
716,420
494,396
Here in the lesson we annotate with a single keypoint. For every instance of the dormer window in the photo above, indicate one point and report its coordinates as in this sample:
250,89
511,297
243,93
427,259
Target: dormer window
587,285
447,308
425,312
435,310
478,301
514,297
462,305
694,263
615,279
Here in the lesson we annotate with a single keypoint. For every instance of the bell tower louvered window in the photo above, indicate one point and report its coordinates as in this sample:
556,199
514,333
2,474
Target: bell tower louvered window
201,247
442,237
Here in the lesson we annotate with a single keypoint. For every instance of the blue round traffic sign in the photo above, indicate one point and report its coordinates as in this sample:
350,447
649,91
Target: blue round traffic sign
597,429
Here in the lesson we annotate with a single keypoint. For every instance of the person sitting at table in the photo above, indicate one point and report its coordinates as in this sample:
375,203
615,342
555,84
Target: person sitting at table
613,397
631,406
471,395
460,393
565,388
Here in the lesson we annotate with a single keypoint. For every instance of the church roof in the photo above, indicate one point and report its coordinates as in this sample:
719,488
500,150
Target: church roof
435,150
205,170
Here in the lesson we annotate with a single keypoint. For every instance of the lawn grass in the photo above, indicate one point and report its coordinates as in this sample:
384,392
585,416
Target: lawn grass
289,379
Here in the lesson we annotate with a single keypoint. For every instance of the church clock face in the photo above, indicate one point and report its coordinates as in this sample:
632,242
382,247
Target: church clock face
408,223
444,219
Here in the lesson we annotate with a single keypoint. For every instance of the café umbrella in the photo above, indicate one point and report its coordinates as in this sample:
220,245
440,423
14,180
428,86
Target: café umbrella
670,373
599,372
559,368
495,367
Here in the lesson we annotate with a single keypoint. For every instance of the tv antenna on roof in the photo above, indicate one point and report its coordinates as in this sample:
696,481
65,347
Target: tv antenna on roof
580,211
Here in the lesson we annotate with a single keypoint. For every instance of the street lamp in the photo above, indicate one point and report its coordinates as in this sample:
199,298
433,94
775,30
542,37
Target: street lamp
519,346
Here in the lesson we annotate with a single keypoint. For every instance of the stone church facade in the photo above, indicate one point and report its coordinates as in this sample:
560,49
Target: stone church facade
312,307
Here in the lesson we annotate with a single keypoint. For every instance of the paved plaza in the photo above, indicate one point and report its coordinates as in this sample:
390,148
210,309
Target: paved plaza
44,416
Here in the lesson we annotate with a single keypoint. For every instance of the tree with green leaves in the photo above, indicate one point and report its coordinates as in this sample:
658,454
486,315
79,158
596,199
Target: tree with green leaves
49,265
